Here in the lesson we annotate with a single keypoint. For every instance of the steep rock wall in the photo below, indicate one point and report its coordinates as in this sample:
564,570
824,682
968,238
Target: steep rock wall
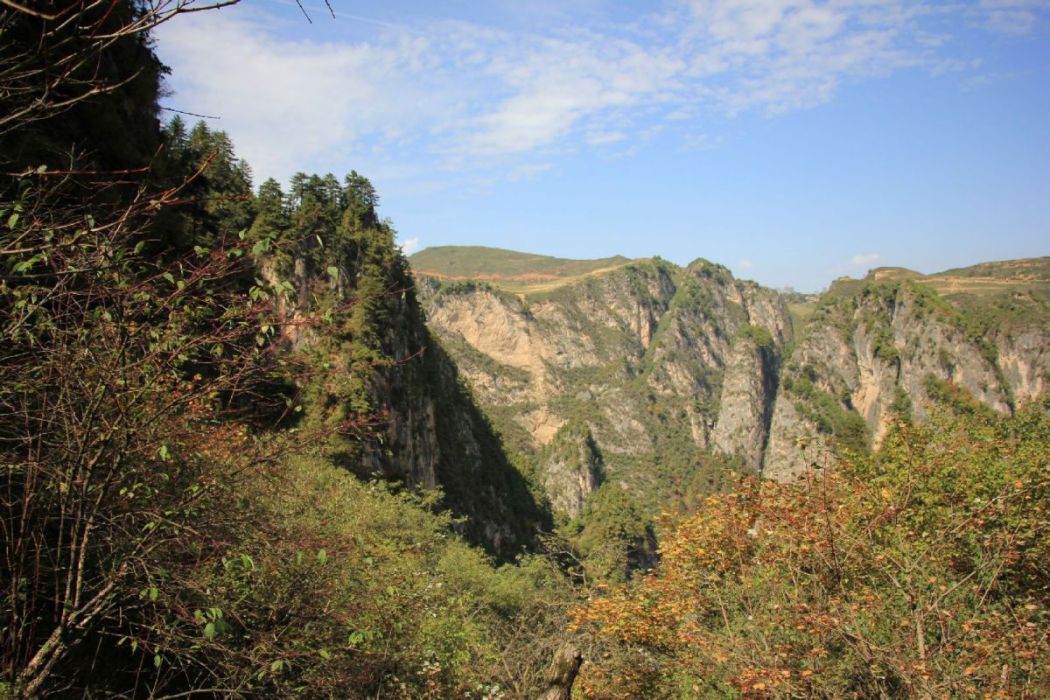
637,355
873,355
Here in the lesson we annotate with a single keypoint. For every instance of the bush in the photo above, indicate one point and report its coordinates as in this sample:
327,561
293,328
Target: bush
352,589
922,571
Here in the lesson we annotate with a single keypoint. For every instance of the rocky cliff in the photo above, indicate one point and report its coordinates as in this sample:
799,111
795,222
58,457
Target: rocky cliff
386,399
637,371
885,349
640,355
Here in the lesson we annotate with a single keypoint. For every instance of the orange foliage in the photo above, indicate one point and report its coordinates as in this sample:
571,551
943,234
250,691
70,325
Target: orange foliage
915,574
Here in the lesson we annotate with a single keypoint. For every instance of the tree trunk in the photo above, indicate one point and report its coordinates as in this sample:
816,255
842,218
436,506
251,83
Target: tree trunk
562,673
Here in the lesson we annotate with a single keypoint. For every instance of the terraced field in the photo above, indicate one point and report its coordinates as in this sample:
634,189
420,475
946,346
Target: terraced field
1030,275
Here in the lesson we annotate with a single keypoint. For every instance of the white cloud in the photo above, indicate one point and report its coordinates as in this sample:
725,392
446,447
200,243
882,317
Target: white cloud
453,95
555,84
530,171
1012,16
289,103
864,259
409,246
599,137
744,264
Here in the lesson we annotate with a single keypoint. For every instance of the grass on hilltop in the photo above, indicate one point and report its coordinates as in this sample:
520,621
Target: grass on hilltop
511,271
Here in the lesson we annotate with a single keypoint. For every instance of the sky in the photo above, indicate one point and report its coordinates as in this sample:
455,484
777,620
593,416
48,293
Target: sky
794,141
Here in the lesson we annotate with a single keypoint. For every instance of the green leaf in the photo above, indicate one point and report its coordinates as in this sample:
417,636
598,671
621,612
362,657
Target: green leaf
164,453
333,272
322,557
277,665
12,220
325,654
154,593
209,630
157,660
27,265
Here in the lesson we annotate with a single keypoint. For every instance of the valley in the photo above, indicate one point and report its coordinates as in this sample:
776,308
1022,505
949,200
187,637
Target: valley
249,448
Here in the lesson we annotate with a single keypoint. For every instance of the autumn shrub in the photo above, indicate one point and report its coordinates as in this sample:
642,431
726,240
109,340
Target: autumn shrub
919,572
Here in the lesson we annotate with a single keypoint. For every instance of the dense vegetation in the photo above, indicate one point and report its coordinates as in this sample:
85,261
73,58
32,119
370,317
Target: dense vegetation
198,380
189,369
921,571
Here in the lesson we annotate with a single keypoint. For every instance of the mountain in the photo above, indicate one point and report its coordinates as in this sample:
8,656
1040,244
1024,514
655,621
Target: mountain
631,358
661,378
356,323
890,344
507,269
247,452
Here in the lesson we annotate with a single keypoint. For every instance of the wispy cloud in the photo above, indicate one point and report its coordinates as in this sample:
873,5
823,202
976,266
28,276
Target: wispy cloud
458,96
287,102
864,259
1013,16
409,246
744,264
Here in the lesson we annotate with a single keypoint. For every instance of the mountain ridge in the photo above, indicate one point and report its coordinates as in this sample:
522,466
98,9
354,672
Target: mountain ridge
670,366
455,263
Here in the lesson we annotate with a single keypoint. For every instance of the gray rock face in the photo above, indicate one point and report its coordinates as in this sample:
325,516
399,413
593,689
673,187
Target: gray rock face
1024,359
655,364
877,355
795,444
638,355
572,468
426,428
746,405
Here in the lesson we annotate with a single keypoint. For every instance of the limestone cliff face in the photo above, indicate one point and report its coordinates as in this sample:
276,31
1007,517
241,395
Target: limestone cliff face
436,436
632,372
874,355
746,405
795,444
1024,358
426,428
638,355
572,468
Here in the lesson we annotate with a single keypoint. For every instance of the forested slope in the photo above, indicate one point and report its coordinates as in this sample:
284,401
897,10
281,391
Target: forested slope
219,409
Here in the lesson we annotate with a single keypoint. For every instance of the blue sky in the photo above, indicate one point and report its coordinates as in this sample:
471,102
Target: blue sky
793,141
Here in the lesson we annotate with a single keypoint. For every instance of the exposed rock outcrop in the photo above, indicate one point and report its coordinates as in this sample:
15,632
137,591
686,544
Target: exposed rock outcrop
650,365
746,403
637,354
874,355
571,468
427,430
